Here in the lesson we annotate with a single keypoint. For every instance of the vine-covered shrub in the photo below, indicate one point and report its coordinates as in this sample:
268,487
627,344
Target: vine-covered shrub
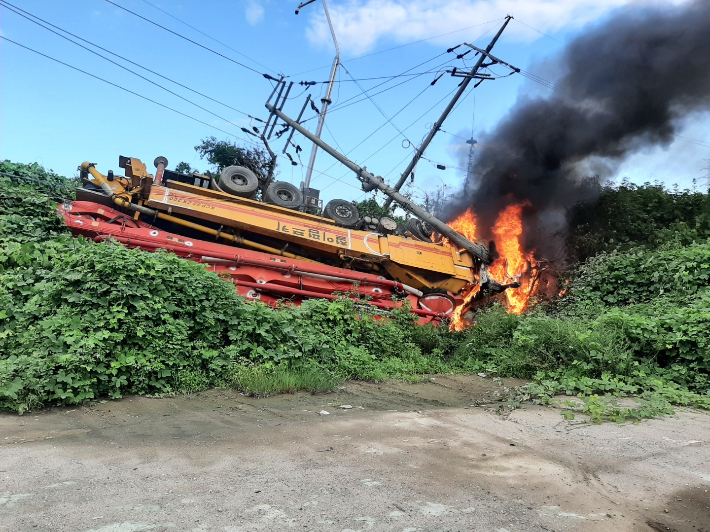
618,279
81,320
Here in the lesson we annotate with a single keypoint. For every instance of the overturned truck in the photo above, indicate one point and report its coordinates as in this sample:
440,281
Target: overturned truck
273,252
275,241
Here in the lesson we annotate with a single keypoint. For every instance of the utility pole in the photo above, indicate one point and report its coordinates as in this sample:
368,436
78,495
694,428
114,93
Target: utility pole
437,125
326,101
372,182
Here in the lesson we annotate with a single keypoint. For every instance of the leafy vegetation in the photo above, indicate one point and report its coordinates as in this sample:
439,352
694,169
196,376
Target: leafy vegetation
629,216
81,320
370,207
223,153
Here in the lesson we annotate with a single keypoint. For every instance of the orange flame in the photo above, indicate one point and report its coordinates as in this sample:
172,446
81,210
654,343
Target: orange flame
466,224
458,323
512,265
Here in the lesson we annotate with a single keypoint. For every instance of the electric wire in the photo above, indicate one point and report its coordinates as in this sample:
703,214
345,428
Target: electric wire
247,140
402,46
535,29
403,73
333,137
185,38
700,142
368,79
346,103
380,127
537,79
123,88
209,36
375,103
406,128
27,14
394,115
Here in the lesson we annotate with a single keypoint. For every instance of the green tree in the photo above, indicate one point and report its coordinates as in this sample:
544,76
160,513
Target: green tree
184,168
370,207
223,153
626,216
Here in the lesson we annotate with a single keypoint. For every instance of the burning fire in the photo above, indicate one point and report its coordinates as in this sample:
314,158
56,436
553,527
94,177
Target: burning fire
465,224
513,265
458,323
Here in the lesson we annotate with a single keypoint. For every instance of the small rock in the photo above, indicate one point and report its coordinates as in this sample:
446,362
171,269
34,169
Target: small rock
324,413
666,510
346,407
483,375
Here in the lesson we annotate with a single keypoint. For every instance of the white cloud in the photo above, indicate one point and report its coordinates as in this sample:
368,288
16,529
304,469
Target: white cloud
361,24
254,12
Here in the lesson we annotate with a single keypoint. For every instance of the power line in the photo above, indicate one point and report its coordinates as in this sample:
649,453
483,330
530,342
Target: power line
385,123
367,79
122,88
402,45
375,103
14,9
537,79
405,129
127,60
700,142
541,33
412,68
156,102
381,126
209,36
186,38
345,103
333,137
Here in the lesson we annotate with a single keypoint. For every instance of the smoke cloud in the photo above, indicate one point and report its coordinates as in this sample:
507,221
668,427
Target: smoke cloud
623,85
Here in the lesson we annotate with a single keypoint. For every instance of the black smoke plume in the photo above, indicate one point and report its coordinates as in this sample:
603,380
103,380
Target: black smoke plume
623,85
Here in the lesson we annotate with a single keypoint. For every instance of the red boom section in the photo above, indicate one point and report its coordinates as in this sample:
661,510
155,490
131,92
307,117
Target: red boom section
256,275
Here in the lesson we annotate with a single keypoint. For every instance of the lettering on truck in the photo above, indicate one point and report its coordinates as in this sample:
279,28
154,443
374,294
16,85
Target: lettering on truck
312,234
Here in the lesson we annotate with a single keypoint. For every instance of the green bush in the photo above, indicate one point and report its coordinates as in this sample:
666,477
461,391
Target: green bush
619,279
81,320
106,320
629,216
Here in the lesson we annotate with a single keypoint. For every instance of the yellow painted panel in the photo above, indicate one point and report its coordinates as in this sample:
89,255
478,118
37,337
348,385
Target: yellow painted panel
420,255
312,233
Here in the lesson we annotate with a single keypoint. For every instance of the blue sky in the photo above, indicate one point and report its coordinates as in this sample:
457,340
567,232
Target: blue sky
61,117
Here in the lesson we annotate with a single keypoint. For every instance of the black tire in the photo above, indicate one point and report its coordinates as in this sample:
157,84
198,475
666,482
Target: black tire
343,212
214,185
283,194
238,181
418,230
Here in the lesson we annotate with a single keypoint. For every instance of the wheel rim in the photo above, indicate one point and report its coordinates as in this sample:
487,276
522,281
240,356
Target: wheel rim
239,181
285,195
343,211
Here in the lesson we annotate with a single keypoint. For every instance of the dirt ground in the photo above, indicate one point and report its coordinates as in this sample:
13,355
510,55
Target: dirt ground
432,456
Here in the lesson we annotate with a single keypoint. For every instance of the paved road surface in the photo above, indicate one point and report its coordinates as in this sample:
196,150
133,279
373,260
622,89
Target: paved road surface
414,457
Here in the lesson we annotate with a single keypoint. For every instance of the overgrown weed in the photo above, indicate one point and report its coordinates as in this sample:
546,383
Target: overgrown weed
81,320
